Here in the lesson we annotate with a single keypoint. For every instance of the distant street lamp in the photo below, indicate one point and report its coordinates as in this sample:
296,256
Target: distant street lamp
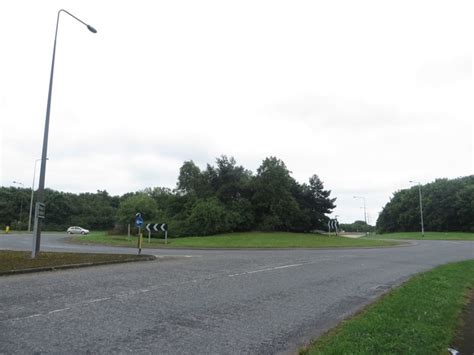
40,198
365,212
32,193
421,206
21,204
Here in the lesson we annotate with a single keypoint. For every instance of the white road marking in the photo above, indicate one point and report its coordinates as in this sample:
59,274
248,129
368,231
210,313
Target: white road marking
39,314
177,256
97,300
59,310
263,270
159,286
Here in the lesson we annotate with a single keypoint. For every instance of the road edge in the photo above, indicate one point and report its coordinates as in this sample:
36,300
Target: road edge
75,266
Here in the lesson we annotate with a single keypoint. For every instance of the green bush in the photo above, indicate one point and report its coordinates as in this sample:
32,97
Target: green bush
207,217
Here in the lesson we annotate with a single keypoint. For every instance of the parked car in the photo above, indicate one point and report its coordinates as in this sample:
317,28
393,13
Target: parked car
77,230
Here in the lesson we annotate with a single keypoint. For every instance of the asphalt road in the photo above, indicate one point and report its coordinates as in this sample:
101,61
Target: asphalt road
59,242
210,302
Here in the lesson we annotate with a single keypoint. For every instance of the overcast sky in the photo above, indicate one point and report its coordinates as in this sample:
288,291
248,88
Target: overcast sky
366,94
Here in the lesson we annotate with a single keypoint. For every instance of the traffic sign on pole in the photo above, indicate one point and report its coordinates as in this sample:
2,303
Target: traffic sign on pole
138,220
333,224
40,210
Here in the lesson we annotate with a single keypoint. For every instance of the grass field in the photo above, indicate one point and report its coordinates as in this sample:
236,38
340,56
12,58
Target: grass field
428,235
238,240
20,260
420,317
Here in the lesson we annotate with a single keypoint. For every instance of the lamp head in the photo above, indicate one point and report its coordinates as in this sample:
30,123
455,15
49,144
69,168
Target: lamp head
92,29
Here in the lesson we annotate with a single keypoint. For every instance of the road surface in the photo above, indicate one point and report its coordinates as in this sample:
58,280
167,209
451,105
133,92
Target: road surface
204,302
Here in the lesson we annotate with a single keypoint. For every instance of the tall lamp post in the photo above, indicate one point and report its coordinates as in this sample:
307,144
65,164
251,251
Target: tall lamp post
32,193
365,211
421,206
21,204
40,198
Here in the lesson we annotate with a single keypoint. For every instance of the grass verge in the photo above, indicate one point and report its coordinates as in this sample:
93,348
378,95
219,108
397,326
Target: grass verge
420,317
238,240
13,261
428,236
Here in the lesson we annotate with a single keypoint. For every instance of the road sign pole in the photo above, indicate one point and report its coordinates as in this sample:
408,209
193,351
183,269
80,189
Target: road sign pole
166,237
139,242
149,236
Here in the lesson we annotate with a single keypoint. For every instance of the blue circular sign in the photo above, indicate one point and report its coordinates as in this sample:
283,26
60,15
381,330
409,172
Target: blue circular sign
138,220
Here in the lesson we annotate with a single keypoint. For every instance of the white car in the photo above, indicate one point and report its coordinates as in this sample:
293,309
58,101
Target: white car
77,230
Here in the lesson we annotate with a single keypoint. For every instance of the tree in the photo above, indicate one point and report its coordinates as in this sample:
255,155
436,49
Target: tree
96,211
229,181
224,197
130,206
231,185
59,211
10,206
274,206
192,181
322,204
447,206
208,216
357,226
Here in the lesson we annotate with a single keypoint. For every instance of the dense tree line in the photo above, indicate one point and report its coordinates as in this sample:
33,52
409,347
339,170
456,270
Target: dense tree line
94,210
357,226
224,197
448,205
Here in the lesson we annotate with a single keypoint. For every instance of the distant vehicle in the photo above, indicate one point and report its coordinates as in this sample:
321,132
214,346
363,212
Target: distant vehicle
77,230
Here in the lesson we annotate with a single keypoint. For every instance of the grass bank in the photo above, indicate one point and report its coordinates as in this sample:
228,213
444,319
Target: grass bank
21,260
238,240
420,317
428,235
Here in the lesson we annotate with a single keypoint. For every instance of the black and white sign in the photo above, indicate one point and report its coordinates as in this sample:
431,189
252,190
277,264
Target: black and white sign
157,227
333,225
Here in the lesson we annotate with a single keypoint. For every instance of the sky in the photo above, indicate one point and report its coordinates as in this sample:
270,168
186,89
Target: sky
368,95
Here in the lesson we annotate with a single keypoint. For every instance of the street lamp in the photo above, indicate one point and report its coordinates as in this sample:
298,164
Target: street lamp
421,206
32,192
21,203
365,212
40,199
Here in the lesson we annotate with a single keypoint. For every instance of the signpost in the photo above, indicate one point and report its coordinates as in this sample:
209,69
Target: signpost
157,227
149,232
139,224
